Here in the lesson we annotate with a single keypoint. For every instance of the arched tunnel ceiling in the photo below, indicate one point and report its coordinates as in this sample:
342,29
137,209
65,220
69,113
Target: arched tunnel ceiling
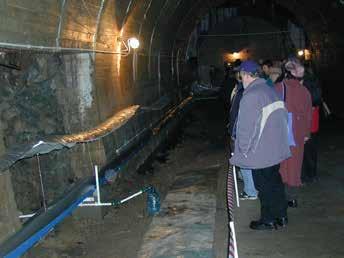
311,14
96,23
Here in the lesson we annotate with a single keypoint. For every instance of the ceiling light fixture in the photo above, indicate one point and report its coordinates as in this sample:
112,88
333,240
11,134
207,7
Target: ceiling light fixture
133,43
236,55
300,53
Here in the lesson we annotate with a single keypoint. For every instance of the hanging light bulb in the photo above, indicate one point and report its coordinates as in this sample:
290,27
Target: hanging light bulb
236,55
308,54
134,43
300,53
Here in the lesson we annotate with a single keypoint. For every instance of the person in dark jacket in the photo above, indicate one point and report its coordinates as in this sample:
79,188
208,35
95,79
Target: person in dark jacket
310,155
261,144
235,98
235,102
267,67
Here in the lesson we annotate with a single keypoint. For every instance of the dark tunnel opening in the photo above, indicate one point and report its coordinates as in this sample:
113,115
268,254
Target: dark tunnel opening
143,89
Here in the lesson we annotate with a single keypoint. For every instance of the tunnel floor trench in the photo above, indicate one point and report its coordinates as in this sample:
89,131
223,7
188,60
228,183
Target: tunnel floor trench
121,231
315,228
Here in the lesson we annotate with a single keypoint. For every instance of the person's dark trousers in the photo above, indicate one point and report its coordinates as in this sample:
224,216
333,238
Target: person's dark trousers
310,159
269,184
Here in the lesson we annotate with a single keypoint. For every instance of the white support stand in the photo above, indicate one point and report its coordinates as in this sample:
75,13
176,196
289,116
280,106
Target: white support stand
98,202
130,197
97,183
231,225
236,185
25,216
90,201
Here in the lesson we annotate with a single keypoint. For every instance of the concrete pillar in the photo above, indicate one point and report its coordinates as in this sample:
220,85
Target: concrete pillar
76,97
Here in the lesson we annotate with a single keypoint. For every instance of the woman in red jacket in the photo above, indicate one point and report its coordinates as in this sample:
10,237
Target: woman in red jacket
298,102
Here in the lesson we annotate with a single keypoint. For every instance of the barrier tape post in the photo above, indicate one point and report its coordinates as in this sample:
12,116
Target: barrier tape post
232,245
236,186
231,226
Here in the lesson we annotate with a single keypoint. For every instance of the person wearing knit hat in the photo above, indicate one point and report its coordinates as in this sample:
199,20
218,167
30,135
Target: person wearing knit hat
295,68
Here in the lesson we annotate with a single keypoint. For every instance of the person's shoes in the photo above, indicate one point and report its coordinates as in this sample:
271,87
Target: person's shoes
245,196
260,225
282,222
292,203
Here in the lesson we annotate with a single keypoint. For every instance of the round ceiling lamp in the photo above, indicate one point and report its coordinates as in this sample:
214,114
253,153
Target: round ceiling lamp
236,55
134,43
300,53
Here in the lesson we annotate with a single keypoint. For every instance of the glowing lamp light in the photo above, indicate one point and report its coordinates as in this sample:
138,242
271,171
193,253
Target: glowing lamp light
236,55
134,43
300,53
308,54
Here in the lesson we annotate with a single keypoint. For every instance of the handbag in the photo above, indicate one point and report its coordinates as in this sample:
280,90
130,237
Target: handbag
291,138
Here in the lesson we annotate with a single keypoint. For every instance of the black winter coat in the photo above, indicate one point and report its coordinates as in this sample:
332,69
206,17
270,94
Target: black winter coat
234,110
312,85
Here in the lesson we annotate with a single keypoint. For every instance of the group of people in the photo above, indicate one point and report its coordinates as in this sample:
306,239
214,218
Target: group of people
273,123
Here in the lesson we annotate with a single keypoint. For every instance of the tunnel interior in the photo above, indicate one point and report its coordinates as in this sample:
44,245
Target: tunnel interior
67,66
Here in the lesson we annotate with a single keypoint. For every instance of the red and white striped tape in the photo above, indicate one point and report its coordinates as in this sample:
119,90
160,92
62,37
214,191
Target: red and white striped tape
231,185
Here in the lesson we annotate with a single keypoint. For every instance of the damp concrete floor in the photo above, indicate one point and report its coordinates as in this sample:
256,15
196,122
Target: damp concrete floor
316,227
193,218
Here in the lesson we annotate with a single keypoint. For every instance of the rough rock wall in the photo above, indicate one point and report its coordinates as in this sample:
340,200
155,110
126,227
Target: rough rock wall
30,110
8,206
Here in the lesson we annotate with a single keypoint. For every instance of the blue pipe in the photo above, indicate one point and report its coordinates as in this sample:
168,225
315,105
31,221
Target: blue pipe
87,186
37,236
27,244
22,247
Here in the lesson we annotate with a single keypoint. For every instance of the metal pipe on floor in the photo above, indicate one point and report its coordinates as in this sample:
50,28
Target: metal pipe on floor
43,222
